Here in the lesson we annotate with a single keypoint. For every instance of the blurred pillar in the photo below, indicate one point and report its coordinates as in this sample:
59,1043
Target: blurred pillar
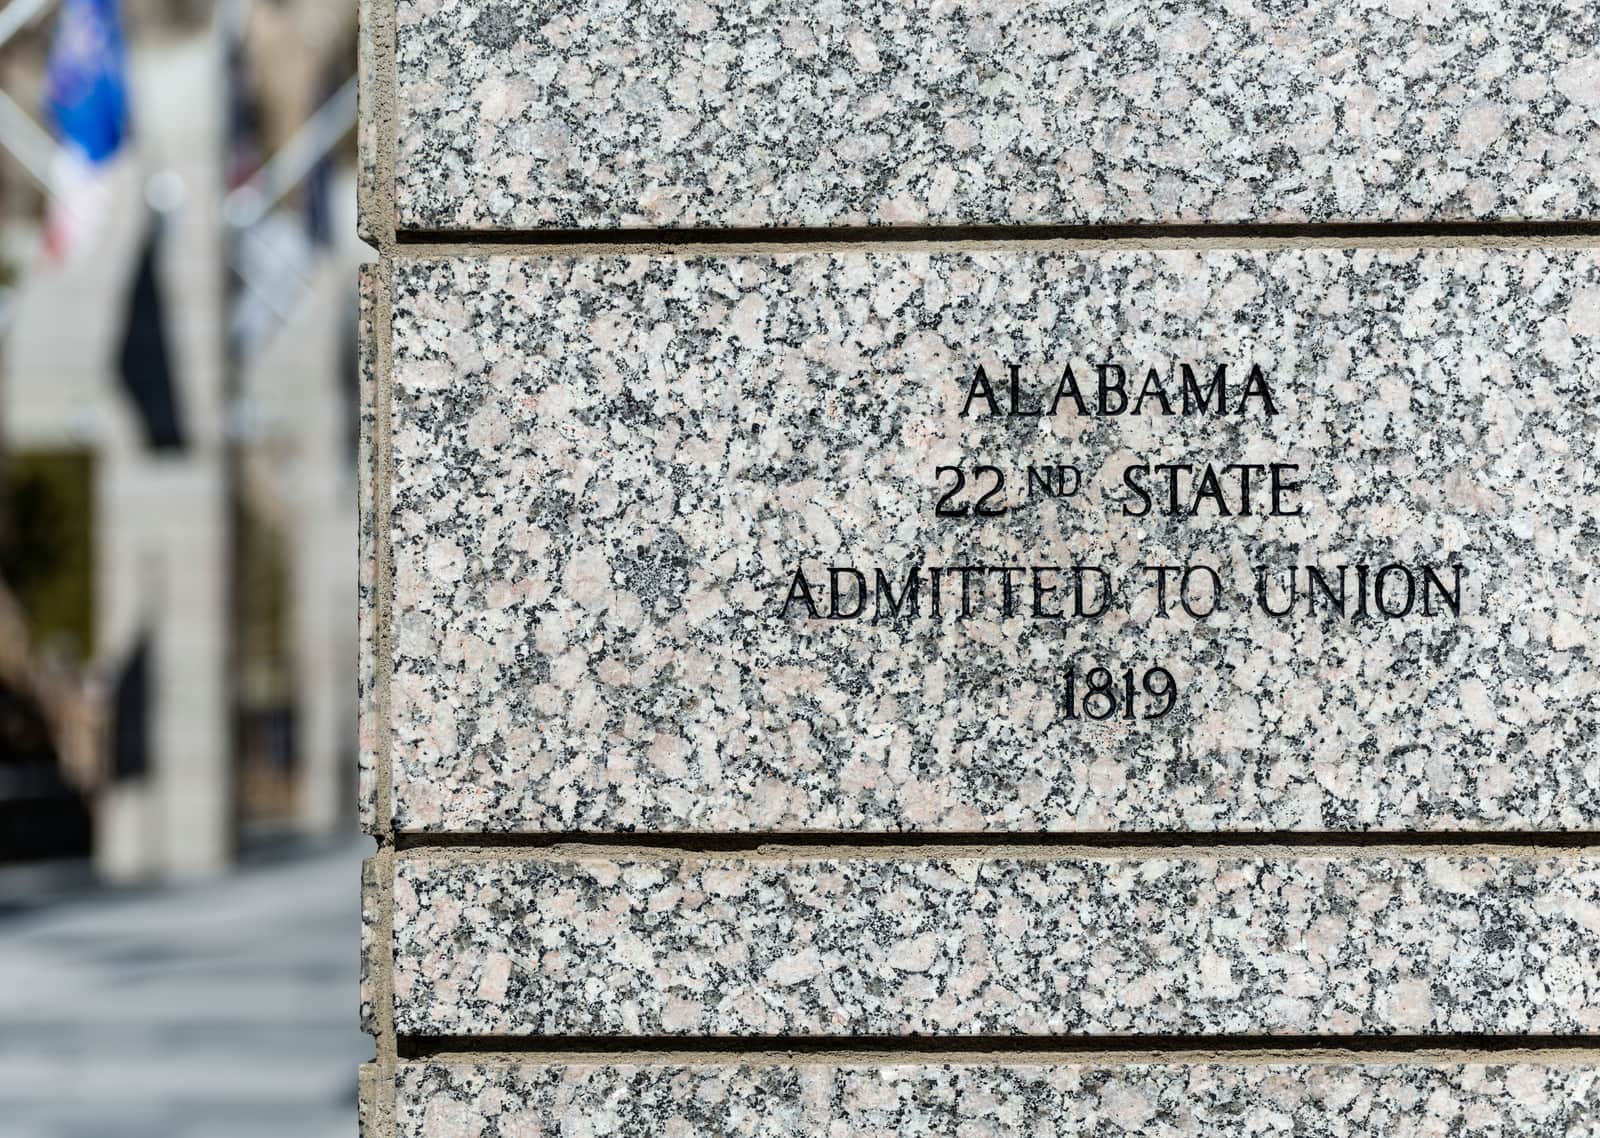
162,539
125,834
179,110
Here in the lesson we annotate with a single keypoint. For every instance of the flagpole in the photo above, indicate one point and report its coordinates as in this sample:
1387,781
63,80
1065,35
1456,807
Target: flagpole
294,160
247,204
28,142
19,14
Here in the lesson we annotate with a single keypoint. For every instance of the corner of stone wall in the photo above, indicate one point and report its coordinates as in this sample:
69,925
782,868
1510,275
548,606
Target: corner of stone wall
375,225
370,903
366,557
374,67
372,1110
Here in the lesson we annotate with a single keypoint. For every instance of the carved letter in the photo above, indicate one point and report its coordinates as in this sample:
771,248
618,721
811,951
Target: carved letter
980,385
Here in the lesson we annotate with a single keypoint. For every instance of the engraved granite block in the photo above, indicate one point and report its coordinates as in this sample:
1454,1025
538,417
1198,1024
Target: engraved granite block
982,943
997,541
592,114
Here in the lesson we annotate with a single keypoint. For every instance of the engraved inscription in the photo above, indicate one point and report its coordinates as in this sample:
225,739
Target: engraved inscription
983,491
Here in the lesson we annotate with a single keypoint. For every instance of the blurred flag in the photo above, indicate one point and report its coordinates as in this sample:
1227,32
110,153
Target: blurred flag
145,362
319,210
319,179
130,713
244,156
86,98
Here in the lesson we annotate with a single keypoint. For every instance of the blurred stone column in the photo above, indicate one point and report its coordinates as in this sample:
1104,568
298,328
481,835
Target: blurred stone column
183,509
161,527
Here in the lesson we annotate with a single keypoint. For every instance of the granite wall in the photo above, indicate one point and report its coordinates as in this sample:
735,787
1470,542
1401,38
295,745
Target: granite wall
980,569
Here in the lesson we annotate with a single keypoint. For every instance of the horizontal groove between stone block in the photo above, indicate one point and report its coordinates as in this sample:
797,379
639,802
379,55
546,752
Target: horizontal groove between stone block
1582,1050
1137,235
1219,844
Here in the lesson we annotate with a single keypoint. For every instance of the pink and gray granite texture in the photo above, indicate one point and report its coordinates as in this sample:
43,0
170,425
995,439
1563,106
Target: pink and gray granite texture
708,113
366,554
370,945
607,471
786,1099
1009,945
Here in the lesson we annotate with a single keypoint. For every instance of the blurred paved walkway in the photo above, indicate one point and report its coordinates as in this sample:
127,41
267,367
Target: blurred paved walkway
219,1010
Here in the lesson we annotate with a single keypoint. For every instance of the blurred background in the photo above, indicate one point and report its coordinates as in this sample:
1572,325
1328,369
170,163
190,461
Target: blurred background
178,871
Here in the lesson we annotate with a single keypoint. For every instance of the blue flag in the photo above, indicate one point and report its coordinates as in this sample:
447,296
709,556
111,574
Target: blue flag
87,83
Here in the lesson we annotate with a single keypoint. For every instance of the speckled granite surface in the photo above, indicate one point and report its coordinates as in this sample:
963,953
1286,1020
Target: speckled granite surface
1005,945
590,113
986,1100
371,904
607,472
367,731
